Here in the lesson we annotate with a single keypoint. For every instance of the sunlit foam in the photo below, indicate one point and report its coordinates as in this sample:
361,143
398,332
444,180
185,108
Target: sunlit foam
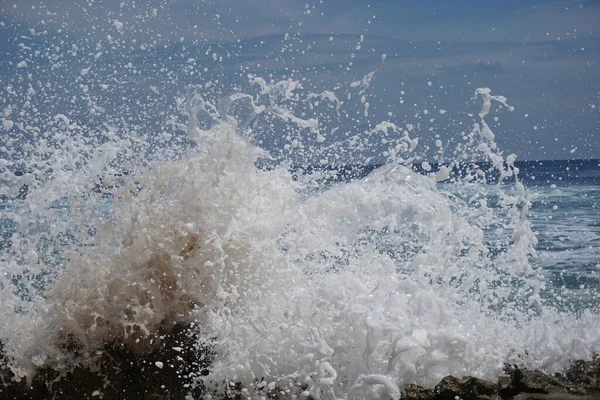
348,288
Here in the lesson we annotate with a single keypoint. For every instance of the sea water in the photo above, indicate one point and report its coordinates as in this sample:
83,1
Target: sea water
256,210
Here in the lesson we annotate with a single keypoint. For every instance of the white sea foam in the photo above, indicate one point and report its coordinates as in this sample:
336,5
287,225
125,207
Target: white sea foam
353,288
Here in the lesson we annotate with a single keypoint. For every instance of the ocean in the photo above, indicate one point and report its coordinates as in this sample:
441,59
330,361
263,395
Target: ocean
308,236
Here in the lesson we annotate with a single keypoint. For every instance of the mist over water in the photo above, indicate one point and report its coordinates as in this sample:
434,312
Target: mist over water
141,189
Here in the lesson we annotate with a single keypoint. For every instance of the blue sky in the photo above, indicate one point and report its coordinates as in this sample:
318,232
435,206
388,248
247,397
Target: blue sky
542,55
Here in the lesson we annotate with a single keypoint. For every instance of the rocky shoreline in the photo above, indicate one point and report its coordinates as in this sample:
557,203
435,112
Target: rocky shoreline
168,369
580,381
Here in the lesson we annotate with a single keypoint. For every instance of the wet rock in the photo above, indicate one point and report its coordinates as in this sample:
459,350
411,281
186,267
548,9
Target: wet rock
585,372
416,392
116,372
509,381
530,396
448,388
481,387
523,384
583,378
552,396
467,388
167,371
538,382
516,380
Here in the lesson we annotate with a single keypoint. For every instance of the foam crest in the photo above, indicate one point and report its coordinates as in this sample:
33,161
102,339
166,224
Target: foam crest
352,289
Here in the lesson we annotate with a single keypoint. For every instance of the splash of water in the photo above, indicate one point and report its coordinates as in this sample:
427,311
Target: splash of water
351,288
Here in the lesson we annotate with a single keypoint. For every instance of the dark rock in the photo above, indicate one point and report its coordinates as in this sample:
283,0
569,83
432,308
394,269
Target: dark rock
480,387
523,384
530,396
509,381
448,388
168,368
582,378
538,382
552,396
516,380
166,371
467,388
585,372
416,392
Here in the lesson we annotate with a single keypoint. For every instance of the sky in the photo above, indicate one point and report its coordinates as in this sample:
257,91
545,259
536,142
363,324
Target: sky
542,55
